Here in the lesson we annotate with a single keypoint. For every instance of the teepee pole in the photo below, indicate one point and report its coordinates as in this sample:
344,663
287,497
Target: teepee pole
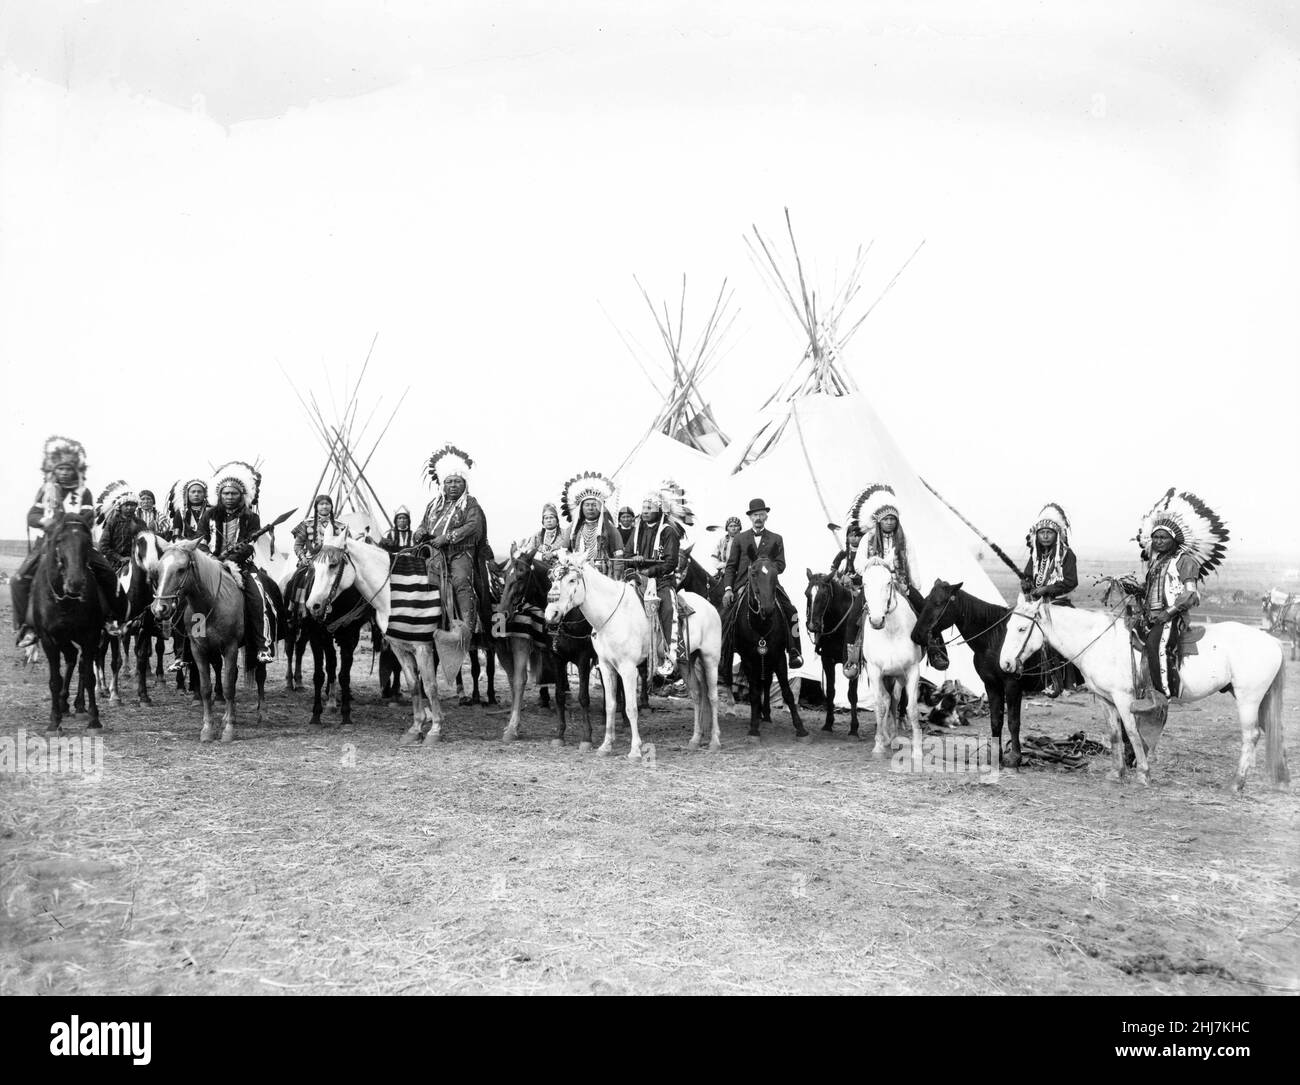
991,544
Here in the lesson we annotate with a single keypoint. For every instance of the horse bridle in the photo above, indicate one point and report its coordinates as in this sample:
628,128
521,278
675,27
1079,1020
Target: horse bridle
891,604
59,595
553,596
821,634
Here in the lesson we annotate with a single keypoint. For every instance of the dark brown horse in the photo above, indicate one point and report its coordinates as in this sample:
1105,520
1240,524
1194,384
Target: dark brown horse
68,613
761,638
523,599
834,613
983,626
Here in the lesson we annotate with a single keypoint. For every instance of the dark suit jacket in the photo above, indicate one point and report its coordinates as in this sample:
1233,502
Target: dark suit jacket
771,546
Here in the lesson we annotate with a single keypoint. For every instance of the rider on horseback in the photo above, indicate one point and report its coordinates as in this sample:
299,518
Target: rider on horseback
655,545
547,542
311,532
843,567
235,518
1051,573
153,518
118,505
1182,540
191,513
399,536
746,548
65,489
454,523
593,533
723,550
875,511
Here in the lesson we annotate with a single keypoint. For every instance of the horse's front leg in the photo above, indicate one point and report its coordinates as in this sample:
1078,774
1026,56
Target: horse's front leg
1001,692
411,672
914,713
609,678
88,675
787,695
317,679
884,710
711,692
1116,743
114,688
629,673
229,678
584,700
347,647
432,706
561,699
58,701
205,694
755,697
490,664
828,688
853,706
1123,705
517,671
143,654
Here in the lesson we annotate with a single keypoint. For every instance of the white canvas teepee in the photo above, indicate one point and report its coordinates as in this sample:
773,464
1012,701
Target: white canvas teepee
817,443
683,438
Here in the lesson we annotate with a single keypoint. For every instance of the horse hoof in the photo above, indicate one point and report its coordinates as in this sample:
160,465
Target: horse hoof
465,702
432,737
114,702
634,755
1114,776
694,744
802,736
877,752
315,721
509,735
557,742
1011,760
410,738
753,739
828,727
146,699
228,735
205,736
94,725
603,751
715,745
54,728
584,747
1144,778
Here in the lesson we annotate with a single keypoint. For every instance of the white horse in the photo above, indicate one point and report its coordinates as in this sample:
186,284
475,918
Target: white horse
1231,658
888,652
343,562
620,634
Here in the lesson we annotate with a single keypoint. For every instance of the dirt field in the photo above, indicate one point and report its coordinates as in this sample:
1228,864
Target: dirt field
310,861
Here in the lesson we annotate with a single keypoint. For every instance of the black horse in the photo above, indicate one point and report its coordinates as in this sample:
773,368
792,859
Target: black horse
341,624
527,584
484,639
761,637
68,613
834,615
983,626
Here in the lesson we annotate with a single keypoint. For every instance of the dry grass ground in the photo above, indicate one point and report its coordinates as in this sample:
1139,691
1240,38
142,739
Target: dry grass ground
309,861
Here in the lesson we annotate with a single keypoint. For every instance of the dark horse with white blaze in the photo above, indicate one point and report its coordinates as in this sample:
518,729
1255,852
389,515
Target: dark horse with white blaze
523,599
983,627
210,601
761,638
67,613
834,616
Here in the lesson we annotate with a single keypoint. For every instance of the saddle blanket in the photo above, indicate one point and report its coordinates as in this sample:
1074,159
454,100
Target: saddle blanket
416,605
529,621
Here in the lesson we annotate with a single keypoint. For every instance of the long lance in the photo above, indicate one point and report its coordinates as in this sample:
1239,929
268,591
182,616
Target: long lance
1010,564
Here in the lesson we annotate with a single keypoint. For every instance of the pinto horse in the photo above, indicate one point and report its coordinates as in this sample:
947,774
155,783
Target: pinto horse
834,612
340,623
761,637
620,635
527,586
67,613
1230,658
983,627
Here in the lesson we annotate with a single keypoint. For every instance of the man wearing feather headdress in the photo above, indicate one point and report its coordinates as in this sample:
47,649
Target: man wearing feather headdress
655,544
1181,540
591,530
118,507
875,511
64,490
191,512
1051,573
233,521
455,524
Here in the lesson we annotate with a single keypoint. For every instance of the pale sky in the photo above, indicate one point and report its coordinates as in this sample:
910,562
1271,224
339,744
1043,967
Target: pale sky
194,193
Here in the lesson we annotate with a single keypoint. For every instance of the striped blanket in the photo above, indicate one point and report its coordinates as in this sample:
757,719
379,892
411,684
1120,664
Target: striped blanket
416,605
529,620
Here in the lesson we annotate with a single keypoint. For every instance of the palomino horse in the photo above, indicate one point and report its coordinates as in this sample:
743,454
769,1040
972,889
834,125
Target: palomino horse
888,652
761,638
67,614
983,626
210,601
343,563
834,612
1230,658
620,634
521,608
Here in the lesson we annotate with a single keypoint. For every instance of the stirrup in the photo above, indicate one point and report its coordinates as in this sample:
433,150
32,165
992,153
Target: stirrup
1151,701
796,660
265,656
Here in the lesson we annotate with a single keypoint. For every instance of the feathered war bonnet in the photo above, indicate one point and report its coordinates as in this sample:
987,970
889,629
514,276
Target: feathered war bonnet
579,488
448,462
114,494
62,450
244,475
1196,528
670,498
178,495
873,504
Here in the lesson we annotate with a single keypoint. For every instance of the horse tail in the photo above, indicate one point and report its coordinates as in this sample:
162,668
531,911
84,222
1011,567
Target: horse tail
1270,717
